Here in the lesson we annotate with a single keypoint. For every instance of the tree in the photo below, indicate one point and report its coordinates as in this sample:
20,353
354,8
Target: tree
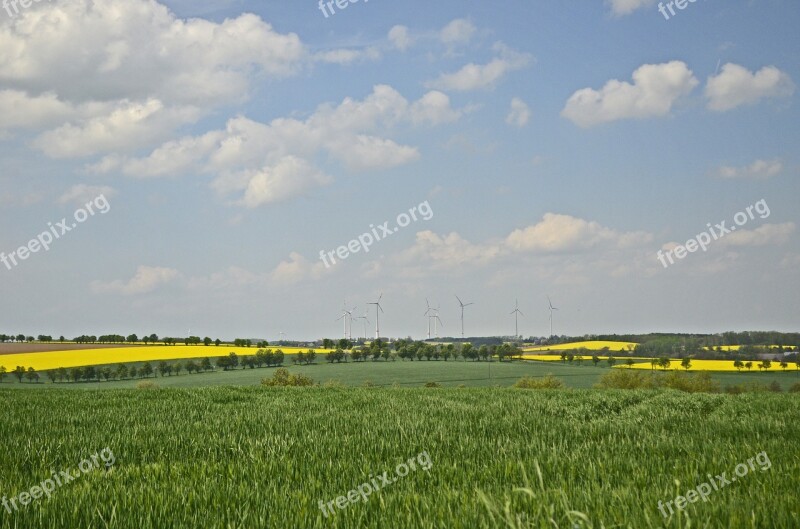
686,363
2,373
664,362
162,368
32,375
61,339
206,341
784,365
595,360
630,362
52,375
749,366
132,338
765,365
217,342
122,371
611,361
205,364
106,373
738,364
146,369
224,362
19,372
233,360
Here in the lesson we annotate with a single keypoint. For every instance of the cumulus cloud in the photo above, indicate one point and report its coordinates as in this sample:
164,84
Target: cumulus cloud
146,280
80,194
626,7
126,127
758,170
483,76
289,178
457,32
262,160
767,234
736,86
655,89
519,114
400,38
560,233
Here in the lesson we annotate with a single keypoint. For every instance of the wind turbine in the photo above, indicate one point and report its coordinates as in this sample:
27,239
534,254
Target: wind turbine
347,315
552,308
377,316
366,321
516,314
462,313
433,314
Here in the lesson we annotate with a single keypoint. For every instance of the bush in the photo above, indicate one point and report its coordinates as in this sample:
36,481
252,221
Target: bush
432,385
795,388
283,378
698,383
146,384
368,384
333,384
548,382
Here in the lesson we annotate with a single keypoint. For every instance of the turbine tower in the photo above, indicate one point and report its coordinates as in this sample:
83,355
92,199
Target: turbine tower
552,308
463,305
377,316
366,321
347,315
516,314
433,314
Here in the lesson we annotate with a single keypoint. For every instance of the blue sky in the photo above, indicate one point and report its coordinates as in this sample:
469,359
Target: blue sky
560,147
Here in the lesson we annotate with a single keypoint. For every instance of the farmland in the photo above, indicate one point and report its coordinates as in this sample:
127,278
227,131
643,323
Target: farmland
256,457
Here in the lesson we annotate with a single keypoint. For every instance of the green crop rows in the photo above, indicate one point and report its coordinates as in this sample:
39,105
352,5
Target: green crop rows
230,457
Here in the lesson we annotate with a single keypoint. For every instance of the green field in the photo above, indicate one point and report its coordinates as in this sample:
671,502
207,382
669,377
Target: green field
230,457
406,374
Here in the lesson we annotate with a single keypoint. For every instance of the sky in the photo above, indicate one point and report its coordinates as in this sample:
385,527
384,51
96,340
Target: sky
526,148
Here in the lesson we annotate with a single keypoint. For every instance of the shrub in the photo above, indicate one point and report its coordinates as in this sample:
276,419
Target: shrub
547,382
333,384
146,384
283,378
368,384
795,388
432,385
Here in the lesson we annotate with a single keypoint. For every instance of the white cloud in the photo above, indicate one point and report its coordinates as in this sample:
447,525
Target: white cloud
289,178
347,55
561,233
736,86
118,49
82,193
483,76
146,280
626,7
520,114
457,32
251,157
400,38
758,170
655,89
295,270
126,127
767,234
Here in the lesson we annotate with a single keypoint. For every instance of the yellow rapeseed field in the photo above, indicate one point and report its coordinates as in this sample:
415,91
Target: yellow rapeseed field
595,345
715,365
116,355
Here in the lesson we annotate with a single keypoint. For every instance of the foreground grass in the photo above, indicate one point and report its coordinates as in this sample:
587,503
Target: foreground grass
257,457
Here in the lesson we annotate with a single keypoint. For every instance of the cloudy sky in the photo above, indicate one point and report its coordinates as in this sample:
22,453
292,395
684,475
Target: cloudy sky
558,145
